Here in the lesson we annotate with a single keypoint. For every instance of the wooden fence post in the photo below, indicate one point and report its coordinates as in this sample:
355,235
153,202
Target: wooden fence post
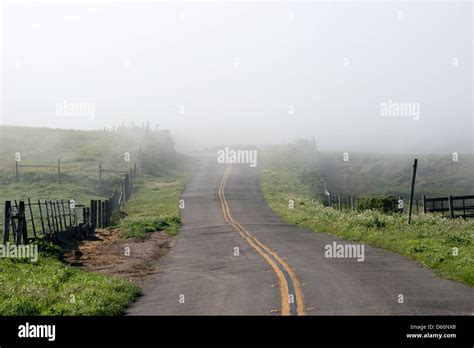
99,213
423,202
124,194
72,221
22,229
32,218
58,215
339,202
58,222
53,217
96,214
84,216
48,219
18,229
127,187
104,213
6,224
450,206
41,216
92,214
412,191
110,209
64,215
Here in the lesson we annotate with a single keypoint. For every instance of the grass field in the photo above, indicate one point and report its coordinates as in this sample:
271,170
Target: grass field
50,287
154,207
443,245
80,153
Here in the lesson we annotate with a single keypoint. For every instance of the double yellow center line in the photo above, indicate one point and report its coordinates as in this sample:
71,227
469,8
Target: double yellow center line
290,289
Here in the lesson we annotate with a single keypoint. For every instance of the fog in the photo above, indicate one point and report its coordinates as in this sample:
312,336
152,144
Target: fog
369,77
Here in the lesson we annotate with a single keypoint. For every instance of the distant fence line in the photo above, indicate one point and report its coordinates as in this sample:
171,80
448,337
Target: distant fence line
450,206
144,125
133,171
342,202
350,202
18,166
58,220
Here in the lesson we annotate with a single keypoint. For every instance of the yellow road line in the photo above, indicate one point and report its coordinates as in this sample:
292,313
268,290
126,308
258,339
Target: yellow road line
260,248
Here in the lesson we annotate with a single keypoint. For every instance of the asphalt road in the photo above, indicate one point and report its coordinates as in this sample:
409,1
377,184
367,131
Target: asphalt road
279,268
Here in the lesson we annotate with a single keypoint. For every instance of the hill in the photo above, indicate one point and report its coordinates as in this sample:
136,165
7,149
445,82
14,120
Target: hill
80,153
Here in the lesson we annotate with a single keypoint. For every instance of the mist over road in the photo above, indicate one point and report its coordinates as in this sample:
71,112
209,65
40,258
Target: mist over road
278,268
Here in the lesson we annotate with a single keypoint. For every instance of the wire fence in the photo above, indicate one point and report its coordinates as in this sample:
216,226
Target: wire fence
60,220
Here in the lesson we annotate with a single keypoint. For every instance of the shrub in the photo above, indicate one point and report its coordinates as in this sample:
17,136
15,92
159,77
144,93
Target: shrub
48,249
116,217
386,204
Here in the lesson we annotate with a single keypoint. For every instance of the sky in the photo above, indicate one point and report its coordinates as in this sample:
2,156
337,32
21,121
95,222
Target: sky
359,76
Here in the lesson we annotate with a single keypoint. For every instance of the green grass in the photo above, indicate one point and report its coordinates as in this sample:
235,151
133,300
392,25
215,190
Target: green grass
81,152
430,239
48,287
154,207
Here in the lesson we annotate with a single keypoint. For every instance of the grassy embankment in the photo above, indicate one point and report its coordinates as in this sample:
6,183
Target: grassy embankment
48,286
446,246
363,174
154,207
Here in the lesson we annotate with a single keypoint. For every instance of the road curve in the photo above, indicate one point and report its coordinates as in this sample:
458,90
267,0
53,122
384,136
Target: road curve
234,256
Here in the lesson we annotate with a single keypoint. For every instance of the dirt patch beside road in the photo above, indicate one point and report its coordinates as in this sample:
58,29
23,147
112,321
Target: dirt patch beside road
134,259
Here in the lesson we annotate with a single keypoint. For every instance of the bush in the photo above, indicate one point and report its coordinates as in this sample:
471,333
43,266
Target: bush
48,249
385,204
116,217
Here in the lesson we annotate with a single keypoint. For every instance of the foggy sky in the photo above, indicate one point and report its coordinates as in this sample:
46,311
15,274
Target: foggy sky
247,73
